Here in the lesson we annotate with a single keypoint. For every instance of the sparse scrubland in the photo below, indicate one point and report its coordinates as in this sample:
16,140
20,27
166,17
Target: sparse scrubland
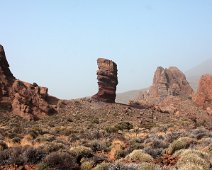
94,135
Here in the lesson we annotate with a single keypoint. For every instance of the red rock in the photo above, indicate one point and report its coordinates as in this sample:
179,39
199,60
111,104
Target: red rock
6,77
169,81
203,96
107,81
29,101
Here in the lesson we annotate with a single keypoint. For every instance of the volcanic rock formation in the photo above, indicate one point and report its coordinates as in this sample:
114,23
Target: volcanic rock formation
26,100
107,81
169,81
6,77
203,96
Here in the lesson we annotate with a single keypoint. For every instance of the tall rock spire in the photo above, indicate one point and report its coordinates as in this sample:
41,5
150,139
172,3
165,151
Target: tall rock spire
107,80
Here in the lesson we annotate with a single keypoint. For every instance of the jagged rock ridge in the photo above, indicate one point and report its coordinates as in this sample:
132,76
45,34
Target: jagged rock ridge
107,80
29,101
169,81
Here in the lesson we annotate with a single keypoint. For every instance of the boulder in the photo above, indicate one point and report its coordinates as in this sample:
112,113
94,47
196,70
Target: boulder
107,81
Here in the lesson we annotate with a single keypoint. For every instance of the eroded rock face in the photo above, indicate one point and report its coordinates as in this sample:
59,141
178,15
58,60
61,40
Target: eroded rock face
107,80
203,96
29,101
6,77
169,81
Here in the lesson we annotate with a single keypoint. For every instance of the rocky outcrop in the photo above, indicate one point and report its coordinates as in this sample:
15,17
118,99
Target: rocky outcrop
107,81
6,77
203,96
169,81
29,101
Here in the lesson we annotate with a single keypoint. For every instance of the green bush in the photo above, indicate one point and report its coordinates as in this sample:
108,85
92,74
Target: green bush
123,126
201,154
148,166
111,129
42,166
181,143
139,155
102,166
192,158
191,166
81,151
87,165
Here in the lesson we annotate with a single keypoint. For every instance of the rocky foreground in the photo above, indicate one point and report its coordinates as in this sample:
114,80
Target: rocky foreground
95,135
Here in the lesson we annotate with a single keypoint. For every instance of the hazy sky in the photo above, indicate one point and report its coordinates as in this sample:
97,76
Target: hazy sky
56,42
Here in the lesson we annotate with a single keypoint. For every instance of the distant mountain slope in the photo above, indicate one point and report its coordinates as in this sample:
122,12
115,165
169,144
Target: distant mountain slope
125,97
193,75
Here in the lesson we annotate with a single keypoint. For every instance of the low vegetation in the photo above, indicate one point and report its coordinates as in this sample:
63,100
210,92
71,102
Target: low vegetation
85,136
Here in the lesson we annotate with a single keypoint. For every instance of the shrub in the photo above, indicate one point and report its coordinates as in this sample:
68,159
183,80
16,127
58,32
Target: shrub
16,140
181,143
87,165
193,159
3,145
172,136
21,155
81,151
191,166
200,133
123,126
98,146
95,120
26,155
49,147
159,144
31,155
102,166
139,155
148,166
61,160
120,154
4,156
42,166
154,152
201,154
111,129
123,166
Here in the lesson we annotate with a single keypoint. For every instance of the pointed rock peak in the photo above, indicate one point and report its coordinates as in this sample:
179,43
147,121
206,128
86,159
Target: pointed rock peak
169,81
3,60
